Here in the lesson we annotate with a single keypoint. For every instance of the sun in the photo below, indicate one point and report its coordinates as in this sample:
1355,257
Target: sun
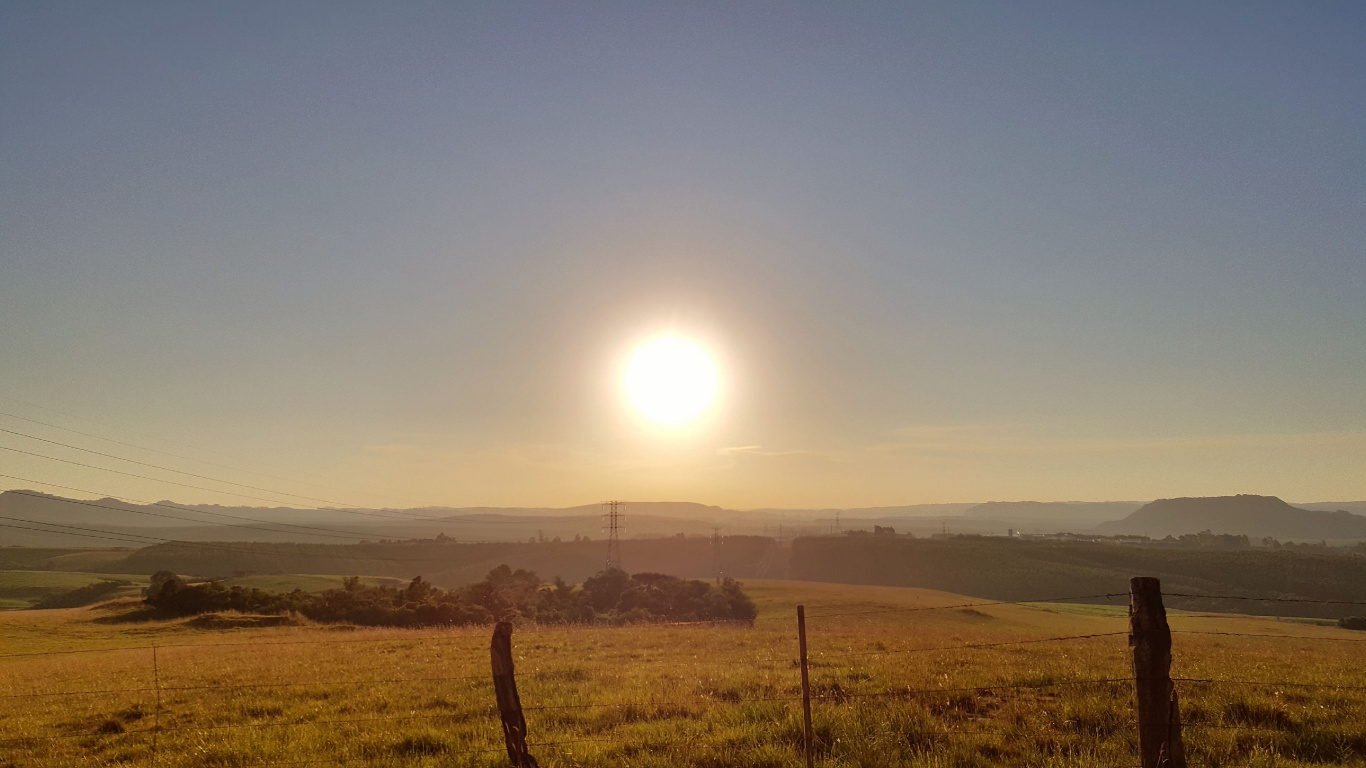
671,380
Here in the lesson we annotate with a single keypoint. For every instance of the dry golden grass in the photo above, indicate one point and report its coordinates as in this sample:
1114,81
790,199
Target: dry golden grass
671,695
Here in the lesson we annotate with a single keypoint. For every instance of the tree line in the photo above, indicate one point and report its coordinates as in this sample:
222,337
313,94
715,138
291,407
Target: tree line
611,596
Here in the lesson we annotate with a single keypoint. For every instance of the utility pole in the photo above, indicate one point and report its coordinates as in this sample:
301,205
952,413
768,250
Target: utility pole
838,528
611,518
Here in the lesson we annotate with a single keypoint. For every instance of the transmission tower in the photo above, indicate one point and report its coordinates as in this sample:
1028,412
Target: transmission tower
611,520
716,551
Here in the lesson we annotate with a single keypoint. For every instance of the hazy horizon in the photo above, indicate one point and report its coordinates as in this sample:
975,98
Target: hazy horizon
406,255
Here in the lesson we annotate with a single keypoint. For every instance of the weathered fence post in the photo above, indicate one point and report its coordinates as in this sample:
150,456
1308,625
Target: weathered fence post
509,703
1159,718
156,718
806,682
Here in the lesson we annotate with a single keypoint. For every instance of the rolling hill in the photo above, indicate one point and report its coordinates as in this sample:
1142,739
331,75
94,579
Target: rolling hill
1252,516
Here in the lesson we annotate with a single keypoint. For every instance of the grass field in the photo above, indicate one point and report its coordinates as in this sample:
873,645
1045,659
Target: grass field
706,696
61,558
20,589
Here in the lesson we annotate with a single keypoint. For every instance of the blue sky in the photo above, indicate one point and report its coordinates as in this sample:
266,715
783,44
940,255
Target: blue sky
943,252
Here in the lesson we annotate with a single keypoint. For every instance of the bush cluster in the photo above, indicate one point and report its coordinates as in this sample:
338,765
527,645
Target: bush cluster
610,597
81,596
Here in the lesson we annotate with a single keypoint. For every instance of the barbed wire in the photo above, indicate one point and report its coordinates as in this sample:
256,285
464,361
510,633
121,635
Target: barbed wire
262,643
699,698
533,675
462,753
463,636
970,646
838,696
1291,729
665,702
1268,683
463,631
979,604
252,686
1266,599
1275,637
973,688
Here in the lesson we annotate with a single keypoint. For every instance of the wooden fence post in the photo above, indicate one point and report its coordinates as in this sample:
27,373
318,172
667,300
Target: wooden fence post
156,718
1159,717
806,682
509,703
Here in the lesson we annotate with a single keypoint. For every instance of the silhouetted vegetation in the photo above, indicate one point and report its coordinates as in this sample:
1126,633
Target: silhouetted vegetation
87,595
609,597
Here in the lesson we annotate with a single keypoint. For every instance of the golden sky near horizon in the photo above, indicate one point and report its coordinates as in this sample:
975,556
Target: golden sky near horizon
894,254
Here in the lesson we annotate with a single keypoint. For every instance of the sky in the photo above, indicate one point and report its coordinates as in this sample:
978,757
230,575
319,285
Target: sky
940,252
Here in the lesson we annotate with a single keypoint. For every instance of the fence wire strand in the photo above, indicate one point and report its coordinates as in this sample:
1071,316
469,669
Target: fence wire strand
1274,637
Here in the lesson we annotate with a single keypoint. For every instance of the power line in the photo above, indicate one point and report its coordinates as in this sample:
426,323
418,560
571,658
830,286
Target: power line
350,555
88,536
211,545
177,443
179,472
140,477
190,458
341,534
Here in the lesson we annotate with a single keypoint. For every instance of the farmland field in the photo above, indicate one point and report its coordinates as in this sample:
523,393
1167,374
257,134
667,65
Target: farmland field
893,682
20,589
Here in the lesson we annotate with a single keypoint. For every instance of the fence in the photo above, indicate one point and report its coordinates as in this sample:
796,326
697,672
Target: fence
783,714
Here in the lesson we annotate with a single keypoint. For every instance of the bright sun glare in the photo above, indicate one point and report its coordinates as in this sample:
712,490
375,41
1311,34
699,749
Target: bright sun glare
671,380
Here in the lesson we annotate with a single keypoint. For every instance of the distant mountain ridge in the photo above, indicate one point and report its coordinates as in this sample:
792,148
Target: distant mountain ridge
1256,517
60,521
1355,507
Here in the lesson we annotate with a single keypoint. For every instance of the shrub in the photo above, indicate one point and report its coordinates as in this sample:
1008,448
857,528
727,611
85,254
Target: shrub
90,593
